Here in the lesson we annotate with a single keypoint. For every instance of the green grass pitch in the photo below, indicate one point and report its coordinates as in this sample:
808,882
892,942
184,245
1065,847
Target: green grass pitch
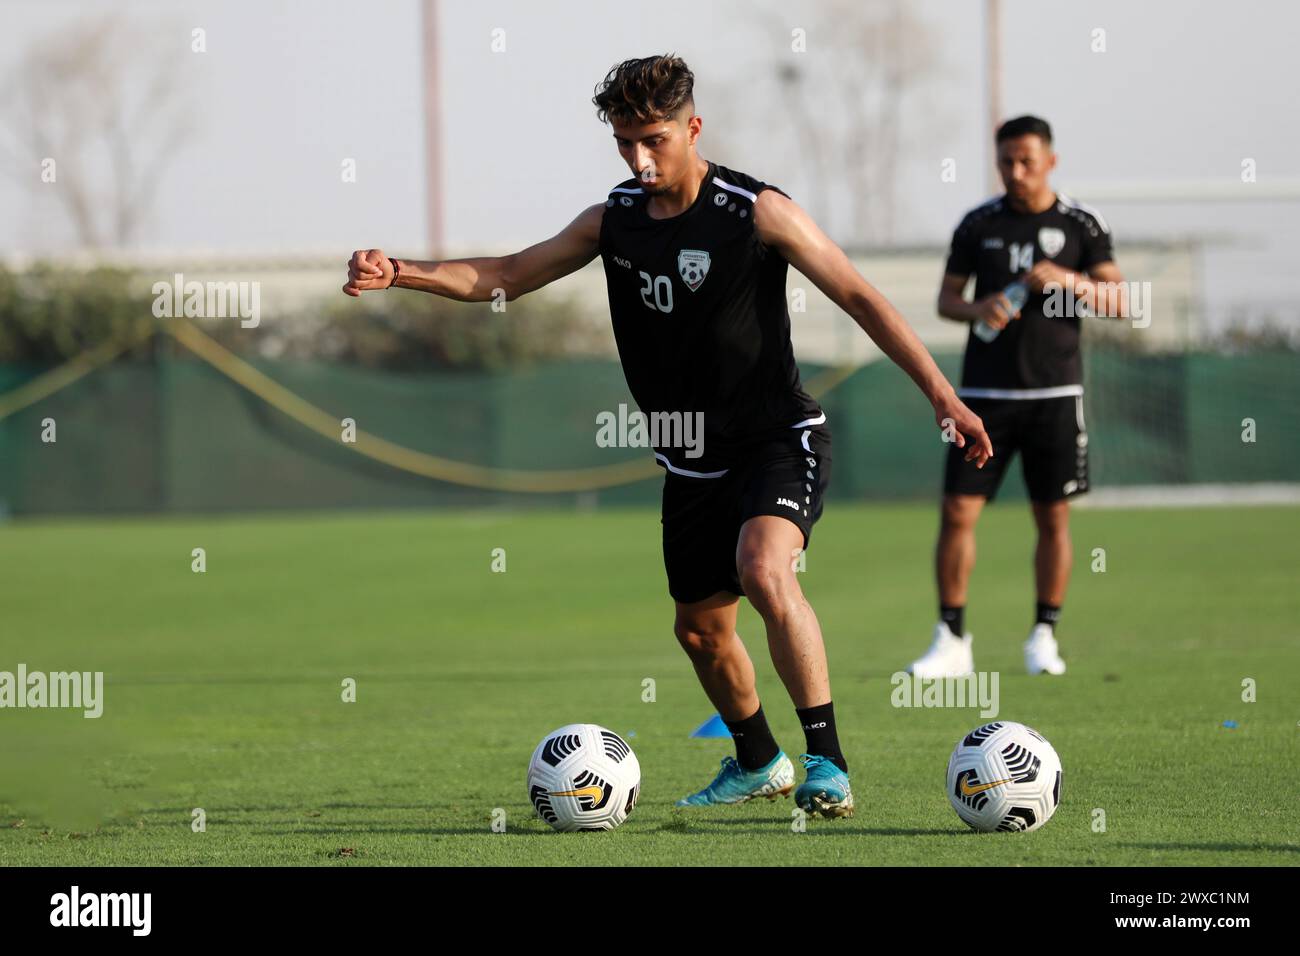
224,689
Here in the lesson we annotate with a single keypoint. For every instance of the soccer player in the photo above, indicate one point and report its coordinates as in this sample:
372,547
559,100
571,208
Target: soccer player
695,258
1024,377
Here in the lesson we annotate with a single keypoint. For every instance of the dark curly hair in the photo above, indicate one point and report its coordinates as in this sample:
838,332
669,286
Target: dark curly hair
649,90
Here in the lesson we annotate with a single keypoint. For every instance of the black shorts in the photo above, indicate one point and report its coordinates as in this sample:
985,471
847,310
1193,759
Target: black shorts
702,516
1052,440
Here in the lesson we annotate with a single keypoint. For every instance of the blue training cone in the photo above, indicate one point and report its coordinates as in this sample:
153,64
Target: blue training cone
713,727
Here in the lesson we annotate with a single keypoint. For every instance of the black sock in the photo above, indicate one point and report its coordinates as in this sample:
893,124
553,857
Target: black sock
755,745
1047,614
819,733
954,617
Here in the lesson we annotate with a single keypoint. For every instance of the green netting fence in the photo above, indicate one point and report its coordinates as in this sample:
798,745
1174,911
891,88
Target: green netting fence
174,434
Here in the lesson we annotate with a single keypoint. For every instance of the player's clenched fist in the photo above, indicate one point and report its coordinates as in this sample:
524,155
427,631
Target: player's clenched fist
368,269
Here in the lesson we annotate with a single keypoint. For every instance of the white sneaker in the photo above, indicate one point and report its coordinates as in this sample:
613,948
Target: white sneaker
1041,656
948,656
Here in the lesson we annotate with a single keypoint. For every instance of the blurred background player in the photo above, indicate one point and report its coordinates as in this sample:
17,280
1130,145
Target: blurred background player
1022,374
695,259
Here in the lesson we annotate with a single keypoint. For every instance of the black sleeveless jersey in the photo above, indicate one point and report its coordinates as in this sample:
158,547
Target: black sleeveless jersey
699,313
1037,351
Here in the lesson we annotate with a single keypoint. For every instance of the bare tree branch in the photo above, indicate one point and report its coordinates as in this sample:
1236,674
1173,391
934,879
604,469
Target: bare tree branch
111,120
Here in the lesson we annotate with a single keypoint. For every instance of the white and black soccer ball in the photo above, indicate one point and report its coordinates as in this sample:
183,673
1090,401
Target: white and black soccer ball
1004,777
583,777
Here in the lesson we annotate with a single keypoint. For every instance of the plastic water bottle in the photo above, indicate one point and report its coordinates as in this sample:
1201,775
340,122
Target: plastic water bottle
1017,294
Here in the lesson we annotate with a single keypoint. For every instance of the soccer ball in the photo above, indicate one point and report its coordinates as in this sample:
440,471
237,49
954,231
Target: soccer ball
583,777
1004,776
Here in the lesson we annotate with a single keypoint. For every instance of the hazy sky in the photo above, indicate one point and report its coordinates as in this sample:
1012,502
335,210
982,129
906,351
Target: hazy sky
286,91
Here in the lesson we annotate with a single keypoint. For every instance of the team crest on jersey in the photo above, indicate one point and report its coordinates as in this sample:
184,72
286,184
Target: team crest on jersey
1051,241
693,266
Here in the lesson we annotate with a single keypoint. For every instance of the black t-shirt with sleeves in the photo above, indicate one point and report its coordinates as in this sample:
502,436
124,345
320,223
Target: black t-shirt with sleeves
700,318
997,244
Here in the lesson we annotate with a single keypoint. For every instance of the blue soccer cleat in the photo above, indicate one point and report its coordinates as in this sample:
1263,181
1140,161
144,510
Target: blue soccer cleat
826,791
735,784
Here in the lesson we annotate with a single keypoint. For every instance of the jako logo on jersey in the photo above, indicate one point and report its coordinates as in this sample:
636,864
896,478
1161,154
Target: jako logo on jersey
1051,241
993,242
693,266
788,503
623,262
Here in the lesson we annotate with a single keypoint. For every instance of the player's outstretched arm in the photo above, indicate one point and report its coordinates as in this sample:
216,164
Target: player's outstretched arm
789,230
478,280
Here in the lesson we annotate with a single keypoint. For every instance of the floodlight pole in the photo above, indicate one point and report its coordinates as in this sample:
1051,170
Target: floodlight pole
993,56
432,125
